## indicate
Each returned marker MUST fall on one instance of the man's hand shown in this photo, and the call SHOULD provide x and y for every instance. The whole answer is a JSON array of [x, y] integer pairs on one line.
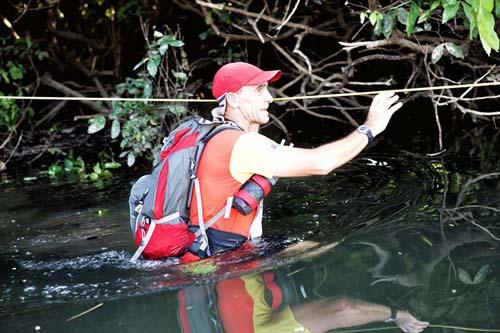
[[410, 324], [381, 111]]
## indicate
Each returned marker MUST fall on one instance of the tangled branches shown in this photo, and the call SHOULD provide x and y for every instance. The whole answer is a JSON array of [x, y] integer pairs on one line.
[[325, 49]]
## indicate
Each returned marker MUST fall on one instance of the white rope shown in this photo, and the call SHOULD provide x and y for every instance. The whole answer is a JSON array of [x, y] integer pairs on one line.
[[281, 99]]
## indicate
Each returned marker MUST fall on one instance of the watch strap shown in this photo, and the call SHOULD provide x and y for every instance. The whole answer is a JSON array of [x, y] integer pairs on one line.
[[394, 314], [366, 131]]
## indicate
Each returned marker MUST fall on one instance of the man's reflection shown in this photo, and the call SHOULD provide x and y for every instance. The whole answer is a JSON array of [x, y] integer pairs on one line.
[[273, 302]]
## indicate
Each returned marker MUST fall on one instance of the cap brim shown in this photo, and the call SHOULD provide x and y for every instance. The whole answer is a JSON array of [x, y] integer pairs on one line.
[[263, 77]]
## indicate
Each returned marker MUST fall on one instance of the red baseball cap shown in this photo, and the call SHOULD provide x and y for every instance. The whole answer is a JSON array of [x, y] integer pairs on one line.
[[231, 77]]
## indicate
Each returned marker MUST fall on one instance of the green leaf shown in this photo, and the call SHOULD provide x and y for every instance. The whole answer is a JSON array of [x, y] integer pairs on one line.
[[481, 274], [5, 76], [115, 129], [487, 5], [112, 165], [450, 11], [412, 18], [94, 176], [362, 18], [389, 23], [378, 27], [470, 17], [402, 15], [454, 50], [486, 26], [130, 159], [152, 67], [464, 276], [435, 4], [97, 168], [497, 8], [16, 72], [373, 18], [140, 63], [180, 75], [96, 124], [176, 109], [68, 165], [163, 48], [55, 170], [157, 34], [437, 53]]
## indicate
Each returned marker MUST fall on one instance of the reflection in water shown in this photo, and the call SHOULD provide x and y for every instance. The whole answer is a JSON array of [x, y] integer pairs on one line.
[[416, 236], [274, 301]]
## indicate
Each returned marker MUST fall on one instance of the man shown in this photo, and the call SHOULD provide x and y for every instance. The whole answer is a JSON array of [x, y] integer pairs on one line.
[[232, 157], [270, 302]]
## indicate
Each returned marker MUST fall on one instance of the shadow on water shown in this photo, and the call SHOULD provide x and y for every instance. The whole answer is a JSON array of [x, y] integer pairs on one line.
[[415, 234]]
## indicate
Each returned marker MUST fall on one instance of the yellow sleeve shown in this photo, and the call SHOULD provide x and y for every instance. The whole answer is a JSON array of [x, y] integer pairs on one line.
[[254, 153]]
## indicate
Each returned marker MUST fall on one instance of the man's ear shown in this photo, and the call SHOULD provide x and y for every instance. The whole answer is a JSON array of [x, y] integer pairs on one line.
[[232, 100]]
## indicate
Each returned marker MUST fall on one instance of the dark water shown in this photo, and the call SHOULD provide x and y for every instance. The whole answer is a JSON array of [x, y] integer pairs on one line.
[[414, 234]]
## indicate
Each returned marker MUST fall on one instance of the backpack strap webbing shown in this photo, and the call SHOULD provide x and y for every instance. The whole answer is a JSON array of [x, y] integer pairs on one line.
[[149, 234]]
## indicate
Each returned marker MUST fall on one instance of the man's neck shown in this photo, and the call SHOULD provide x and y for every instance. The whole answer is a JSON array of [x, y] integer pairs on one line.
[[246, 125]]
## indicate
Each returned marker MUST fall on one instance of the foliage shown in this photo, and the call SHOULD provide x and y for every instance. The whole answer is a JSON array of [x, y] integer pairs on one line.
[[75, 166], [478, 17], [15, 59], [139, 123]]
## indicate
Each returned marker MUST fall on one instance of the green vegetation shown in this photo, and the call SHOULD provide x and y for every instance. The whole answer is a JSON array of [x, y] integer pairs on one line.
[[75, 166], [478, 17], [140, 124]]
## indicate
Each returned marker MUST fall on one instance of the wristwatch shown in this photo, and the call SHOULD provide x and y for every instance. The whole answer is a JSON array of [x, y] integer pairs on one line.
[[366, 131], [392, 318]]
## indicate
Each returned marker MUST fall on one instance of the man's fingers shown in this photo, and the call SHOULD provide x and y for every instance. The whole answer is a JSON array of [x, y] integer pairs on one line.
[[395, 107], [391, 100]]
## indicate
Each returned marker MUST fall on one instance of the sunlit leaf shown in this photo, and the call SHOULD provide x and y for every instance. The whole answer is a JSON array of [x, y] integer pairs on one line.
[[435, 4], [450, 11], [140, 63], [163, 48], [180, 75], [464, 276], [115, 129], [96, 124], [454, 50], [481, 274], [157, 34], [112, 165], [402, 15], [487, 33], [437, 53], [373, 18], [97, 168], [130, 159], [362, 18], [487, 5], [152, 68]]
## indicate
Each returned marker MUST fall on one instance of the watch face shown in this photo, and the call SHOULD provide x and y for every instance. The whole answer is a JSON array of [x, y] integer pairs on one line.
[[363, 129]]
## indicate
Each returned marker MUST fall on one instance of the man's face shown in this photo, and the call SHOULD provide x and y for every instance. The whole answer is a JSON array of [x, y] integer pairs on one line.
[[253, 102]]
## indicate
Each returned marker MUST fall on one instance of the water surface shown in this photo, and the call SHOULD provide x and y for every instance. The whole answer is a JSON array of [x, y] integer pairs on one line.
[[416, 234]]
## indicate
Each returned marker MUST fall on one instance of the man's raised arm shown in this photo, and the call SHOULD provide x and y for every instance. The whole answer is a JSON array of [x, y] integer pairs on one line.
[[298, 162]]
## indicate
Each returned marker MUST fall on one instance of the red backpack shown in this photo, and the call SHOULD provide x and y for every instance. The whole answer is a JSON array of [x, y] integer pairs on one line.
[[159, 202]]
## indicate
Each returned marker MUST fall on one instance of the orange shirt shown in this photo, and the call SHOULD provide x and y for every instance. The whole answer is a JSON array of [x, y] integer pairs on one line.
[[229, 159]]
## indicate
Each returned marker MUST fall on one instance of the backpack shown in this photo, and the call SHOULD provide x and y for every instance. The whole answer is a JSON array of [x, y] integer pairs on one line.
[[159, 202]]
